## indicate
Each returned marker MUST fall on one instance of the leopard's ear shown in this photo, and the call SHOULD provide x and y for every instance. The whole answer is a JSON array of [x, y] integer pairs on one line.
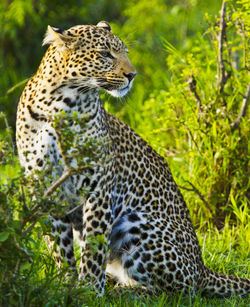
[[105, 25], [56, 36]]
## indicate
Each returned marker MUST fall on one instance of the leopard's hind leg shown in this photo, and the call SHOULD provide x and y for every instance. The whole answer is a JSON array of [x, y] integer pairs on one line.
[[148, 251]]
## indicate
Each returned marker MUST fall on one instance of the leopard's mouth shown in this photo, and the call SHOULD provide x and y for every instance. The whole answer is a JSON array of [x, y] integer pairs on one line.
[[122, 91], [116, 90]]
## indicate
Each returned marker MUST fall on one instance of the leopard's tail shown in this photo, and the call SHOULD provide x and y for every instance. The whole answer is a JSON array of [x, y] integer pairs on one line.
[[224, 285]]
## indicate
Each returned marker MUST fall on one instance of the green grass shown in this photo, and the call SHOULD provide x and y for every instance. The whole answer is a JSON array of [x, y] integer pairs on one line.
[[41, 284], [42, 287]]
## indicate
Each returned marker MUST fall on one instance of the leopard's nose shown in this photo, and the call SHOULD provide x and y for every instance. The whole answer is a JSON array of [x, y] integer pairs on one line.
[[130, 76]]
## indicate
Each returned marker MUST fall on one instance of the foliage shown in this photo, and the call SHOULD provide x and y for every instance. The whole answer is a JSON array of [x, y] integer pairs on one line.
[[77, 148], [23, 24], [186, 102], [193, 122], [27, 202]]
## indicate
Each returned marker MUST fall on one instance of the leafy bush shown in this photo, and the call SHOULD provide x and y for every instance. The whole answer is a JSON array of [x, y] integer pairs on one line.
[[199, 123], [27, 202]]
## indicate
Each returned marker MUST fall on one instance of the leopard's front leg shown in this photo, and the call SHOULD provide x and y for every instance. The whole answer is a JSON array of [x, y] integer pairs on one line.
[[60, 242], [97, 220]]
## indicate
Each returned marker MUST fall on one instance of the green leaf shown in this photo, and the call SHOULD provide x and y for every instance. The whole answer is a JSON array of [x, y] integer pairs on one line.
[[19, 84], [25, 266], [4, 236]]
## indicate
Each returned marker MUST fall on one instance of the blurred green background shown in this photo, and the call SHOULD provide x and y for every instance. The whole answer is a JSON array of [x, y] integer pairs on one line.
[[143, 25]]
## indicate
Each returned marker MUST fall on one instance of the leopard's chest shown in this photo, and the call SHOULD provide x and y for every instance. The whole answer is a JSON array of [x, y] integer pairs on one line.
[[37, 147]]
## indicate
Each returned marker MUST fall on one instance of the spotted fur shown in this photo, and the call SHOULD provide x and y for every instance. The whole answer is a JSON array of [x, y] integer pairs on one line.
[[133, 200]]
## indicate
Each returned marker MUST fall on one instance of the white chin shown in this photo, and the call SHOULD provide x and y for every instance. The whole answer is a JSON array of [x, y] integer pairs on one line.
[[120, 92]]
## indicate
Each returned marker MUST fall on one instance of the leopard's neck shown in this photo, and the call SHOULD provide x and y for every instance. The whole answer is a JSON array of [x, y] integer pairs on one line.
[[47, 94]]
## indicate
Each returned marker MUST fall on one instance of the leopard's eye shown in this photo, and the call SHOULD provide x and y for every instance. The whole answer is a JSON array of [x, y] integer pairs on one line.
[[106, 54]]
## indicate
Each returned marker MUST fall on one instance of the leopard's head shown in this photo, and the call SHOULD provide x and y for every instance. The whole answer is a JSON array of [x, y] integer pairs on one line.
[[93, 57]]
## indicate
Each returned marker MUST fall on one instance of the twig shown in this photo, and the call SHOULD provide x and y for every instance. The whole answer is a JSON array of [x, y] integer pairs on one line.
[[194, 189], [2, 175], [192, 86], [56, 184], [221, 37], [74, 209], [23, 197], [232, 187], [17, 267], [235, 61], [68, 172], [192, 137], [9, 133], [243, 110], [22, 250], [28, 229]]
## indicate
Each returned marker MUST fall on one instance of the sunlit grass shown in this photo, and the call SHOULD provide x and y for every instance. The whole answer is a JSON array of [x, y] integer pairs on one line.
[[41, 284]]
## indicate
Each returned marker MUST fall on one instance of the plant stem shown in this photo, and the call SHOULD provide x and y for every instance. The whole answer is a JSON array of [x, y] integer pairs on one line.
[[243, 110], [221, 38]]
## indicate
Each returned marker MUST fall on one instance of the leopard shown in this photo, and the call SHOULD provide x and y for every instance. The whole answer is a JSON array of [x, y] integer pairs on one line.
[[133, 203]]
